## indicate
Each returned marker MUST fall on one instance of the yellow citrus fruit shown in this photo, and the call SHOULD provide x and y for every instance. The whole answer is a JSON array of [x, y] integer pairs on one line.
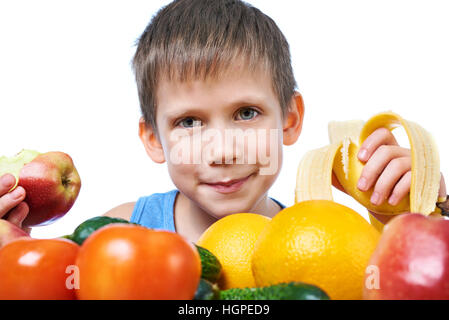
[[231, 239], [317, 242]]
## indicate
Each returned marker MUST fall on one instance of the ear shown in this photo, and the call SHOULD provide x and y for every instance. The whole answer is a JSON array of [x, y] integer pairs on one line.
[[151, 142], [293, 120]]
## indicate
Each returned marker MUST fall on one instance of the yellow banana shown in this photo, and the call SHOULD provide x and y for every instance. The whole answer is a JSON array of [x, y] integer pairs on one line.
[[314, 179]]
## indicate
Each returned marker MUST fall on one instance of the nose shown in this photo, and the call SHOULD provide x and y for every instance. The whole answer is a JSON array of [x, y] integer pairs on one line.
[[223, 148]]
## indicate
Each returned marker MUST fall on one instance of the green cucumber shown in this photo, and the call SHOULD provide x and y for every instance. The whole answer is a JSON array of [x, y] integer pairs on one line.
[[282, 291], [210, 266], [207, 291], [86, 228]]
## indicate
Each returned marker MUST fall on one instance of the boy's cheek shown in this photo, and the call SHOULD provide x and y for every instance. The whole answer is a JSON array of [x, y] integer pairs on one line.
[[269, 152], [184, 177], [181, 152]]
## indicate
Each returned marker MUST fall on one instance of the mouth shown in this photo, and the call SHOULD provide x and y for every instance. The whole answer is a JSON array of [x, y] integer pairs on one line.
[[230, 186]]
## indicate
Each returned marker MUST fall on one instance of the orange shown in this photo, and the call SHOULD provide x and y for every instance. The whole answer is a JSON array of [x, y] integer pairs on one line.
[[231, 239], [318, 242]]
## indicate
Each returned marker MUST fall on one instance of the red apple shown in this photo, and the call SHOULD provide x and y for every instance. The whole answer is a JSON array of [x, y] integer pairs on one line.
[[50, 180], [9, 232], [411, 260]]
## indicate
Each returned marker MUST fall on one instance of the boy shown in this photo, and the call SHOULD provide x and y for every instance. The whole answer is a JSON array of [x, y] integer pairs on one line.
[[218, 100]]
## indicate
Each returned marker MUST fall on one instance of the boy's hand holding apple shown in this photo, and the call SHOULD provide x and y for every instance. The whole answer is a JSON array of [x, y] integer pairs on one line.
[[45, 189], [12, 206], [13, 210]]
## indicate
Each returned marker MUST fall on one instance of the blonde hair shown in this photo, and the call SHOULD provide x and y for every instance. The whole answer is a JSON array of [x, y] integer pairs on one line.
[[193, 39]]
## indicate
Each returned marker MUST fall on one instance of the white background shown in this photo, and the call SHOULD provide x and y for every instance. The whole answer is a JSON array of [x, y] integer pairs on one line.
[[66, 84]]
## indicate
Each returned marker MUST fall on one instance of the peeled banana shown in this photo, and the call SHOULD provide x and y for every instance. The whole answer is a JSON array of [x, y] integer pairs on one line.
[[314, 179]]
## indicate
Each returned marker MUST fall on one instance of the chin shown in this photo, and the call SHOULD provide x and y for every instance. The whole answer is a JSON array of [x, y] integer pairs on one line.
[[221, 215], [227, 209]]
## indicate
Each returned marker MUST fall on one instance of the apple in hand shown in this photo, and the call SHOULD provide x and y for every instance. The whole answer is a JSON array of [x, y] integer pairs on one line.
[[50, 180], [411, 260], [9, 232]]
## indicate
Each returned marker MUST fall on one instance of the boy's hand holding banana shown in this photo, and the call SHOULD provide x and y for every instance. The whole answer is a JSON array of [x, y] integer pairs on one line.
[[365, 161]]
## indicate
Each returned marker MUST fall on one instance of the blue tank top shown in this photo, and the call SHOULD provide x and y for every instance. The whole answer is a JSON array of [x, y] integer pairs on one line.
[[156, 211]]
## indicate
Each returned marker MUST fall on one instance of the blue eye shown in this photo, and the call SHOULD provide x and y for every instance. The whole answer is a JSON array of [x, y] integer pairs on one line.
[[247, 114], [190, 123]]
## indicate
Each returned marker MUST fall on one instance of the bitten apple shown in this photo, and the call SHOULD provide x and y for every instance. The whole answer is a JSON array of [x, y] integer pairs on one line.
[[50, 180], [411, 260], [9, 232]]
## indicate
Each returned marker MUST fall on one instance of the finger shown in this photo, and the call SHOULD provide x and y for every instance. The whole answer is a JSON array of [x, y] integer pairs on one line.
[[7, 181], [18, 214], [392, 173], [10, 200], [376, 164], [401, 189], [381, 136]]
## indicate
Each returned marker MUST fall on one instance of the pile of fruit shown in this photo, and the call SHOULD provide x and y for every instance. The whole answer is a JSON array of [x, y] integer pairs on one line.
[[316, 249], [104, 258], [109, 258], [312, 250], [334, 251]]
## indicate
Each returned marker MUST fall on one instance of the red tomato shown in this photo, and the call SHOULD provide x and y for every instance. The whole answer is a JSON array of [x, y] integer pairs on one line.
[[38, 269], [122, 261]]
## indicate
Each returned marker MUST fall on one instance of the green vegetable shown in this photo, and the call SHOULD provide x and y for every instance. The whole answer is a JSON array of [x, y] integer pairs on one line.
[[86, 228], [282, 291], [210, 266], [207, 291]]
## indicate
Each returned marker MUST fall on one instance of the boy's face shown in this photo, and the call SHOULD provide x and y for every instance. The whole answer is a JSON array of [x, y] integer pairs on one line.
[[222, 139]]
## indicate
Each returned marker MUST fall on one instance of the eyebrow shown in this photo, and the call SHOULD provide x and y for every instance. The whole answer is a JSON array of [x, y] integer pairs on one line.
[[186, 112]]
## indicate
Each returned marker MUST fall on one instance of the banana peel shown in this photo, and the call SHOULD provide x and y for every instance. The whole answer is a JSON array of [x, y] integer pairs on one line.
[[314, 178]]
